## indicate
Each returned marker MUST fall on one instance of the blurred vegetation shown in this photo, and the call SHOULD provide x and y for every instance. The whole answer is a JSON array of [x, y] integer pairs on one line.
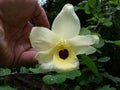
[[99, 71]]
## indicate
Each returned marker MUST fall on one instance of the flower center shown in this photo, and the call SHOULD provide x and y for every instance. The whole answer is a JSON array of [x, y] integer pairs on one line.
[[63, 54]]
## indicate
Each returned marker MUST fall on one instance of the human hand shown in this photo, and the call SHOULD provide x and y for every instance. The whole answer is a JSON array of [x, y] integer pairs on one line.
[[15, 48]]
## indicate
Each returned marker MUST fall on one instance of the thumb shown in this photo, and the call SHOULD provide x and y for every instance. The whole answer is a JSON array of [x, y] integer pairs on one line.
[[28, 58]]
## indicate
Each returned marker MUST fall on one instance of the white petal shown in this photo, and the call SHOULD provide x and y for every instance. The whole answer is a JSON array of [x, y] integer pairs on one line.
[[66, 24], [42, 38], [45, 67], [83, 50], [45, 57], [83, 40]]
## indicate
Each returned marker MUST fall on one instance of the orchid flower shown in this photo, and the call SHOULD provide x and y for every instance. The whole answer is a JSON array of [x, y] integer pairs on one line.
[[58, 48]]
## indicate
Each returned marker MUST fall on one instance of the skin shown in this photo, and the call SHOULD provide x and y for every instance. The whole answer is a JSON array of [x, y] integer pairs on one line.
[[15, 47]]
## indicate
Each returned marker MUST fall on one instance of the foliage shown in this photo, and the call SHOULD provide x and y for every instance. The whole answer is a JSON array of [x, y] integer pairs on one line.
[[5, 71], [99, 17], [107, 87], [7, 88]]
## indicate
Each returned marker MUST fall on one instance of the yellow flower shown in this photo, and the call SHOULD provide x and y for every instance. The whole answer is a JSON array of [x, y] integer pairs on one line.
[[57, 49]]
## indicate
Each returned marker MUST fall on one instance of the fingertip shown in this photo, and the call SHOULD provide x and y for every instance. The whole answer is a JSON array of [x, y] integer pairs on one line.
[[28, 58], [40, 17]]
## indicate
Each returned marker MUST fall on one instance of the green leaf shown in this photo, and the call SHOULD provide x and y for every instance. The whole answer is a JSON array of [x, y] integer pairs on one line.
[[77, 88], [107, 87], [87, 9], [60, 78], [98, 79], [106, 22], [34, 70], [76, 8], [24, 70], [52, 79], [73, 74], [98, 51], [49, 79], [83, 80], [110, 77], [100, 44], [7, 88], [103, 59], [85, 31], [117, 42], [82, 5], [2, 79], [91, 65], [4, 71], [92, 3]]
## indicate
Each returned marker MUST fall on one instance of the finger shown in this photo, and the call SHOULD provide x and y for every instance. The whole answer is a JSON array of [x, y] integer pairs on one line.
[[27, 58], [40, 18], [24, 54], [27, 30]]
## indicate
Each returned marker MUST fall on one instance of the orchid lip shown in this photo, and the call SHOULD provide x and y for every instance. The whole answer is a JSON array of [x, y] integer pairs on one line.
[[63, 54]]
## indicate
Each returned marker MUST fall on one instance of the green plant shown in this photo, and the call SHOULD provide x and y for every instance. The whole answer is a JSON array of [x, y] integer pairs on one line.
[[97, 17]]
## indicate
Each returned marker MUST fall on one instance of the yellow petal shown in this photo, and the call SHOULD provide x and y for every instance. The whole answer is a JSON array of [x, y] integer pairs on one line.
[[65, 63], [66, 24]]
